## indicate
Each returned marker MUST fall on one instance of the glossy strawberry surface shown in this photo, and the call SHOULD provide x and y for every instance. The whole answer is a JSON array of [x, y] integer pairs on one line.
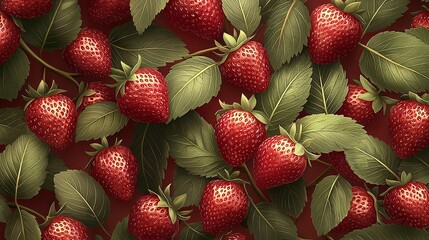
[[9, 37], [62, 227], [421, 20], [102, 93], [109, 12], [26, 8]]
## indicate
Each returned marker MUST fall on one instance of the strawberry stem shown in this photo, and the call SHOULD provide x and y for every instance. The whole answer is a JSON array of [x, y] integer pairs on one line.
[[201, 52], [252, 181], [323, 162], [18, 206], [317, 180]]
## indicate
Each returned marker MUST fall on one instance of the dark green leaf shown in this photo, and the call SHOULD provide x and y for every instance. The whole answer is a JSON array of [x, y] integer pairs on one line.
[[13, 74], [98, 237], [390, 231], [4, 210], [421, 33], [244, 15], [55, 165], [12, 124], [192, 185], [121, 231], [21, 225], [144, 12], [291, 198], [418, 166], [266, 6], [194, 231]]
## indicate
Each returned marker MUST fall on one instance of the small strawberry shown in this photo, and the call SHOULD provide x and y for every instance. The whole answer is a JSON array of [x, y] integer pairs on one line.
[[109, 12], [9, 37], [239, 131], [421, 19], [142, 94], [62, 227], [50, 115], [334, 32], [25, 8], [234, 236], [339, 163], [409, 125], [89, 54], [203, 18], [115, 168], [94, 93]]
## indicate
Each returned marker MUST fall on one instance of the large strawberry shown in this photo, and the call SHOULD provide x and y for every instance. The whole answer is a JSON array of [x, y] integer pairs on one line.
[[25, 8], [239, 131], [421, 19], [62, 227], [50, 115], [234, 236], [94, 93], [334, 32], [409, 125], [203, 18], [142, 94], [339, 163], [9, 37], [89, 54], [115, 168], [109, 12]]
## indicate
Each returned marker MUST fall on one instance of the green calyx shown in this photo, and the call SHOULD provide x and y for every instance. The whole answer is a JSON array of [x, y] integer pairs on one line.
[[102, 145], [424, 99], [173, 205], [247, 105], [231, 177], [232, 42], [404, 179], [43, 90], [294, 134], [373, 95], [122, 76], [52, 214], [349, 6], [83, 92]]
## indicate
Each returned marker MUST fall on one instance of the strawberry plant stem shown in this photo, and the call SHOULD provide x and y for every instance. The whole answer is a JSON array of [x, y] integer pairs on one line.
[[322, 162], [15, 205], [316, 181], [201, 52], [252, 181]]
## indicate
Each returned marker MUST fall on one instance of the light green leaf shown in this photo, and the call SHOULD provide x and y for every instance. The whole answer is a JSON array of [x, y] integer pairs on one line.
[[23, 167], [388, 231], [21, 225], [83, 197], [4, 210], [418, 166], [421, 33], [396, 61], [330, 204], [290, 198], [121, 231], [12, 124], [99, 120], [55, 30], [13, 74], [191, 84], [55, 165], [288, 28], [192, 185], [244, 15], [328, 90], [157, 46], [194, 231], [144, 12]]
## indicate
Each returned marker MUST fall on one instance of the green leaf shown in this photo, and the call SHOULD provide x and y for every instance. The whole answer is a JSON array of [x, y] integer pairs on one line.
[[193, 146], [12, 124], [99, 120], [23, 167], [4, 210], [287, 93], [55, 165], [13, 74], [266, 221], [194, 231], [55, 30], [328, 132], [379, 14], [83, 197], [144, 12], [151, 149], [244, 15], [421, 33], [418, 166], [191, 84], [396, 61], [192, 185], [157, 46], [21, 225], [329, 89], [121, 231], [266, 6], [98, 237], [388, 231], [290, 198], [331, 202], [288, 28], [373, 160]]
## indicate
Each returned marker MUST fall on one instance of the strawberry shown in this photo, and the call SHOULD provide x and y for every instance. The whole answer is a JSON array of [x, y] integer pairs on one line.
[[362, 212], [9, 37], [234, 236], [339, 163], [334, 32], [142, 94], [239, 131], [62, 227], [421, 20], [202, 18], [109, 12], [115, 168], [94, 93], [25, 8], [89, 54], [409, 126], [51, 116]]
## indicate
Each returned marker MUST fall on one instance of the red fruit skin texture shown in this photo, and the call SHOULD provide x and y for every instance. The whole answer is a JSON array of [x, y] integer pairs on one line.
[[238, 135], [234, 236], [109, 12], [421, 20], [339, 163], [62, 227], [26, 8], [333, 34], [248, 67], [409, 128], [53, 119], [408, 205], [204, 18], [102, 93], [356, 108], [223, 206], [89, 54], [276, 164], [115, 168], [9, 37], [145, 99], [147, 221], [362, 212]]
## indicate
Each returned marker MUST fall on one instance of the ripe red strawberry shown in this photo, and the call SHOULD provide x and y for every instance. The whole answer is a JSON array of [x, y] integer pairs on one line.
[[96, 92], [234, 236], [9, 37], [115, 168], [334, 33], [421, 20], [203, 18], [89, 54], [109, 12], [51, 116], [339, 163], [25, 8], [224, 204], [62, 227], [362, 212]]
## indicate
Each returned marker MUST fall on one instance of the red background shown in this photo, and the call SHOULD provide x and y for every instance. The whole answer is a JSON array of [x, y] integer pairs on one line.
[[76, 158]]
